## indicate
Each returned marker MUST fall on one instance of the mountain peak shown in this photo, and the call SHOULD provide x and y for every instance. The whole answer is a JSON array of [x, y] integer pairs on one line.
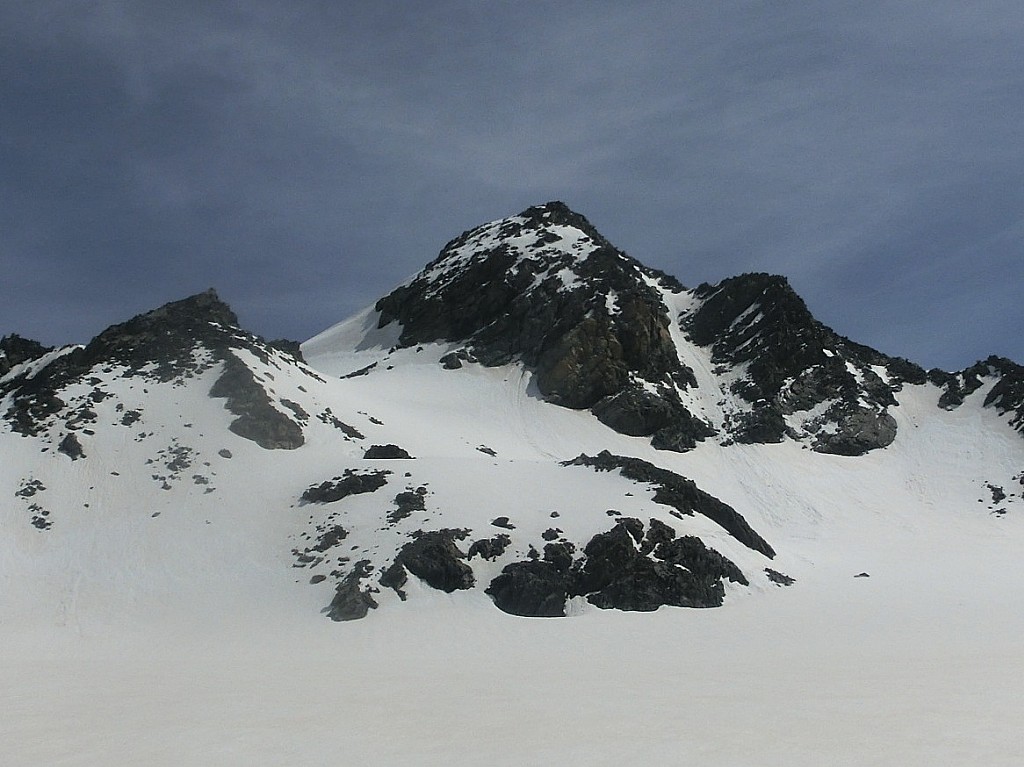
[[547, 289]]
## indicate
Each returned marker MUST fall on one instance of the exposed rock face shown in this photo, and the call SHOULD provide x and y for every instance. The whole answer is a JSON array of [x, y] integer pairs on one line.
[[258, 420], [14, 350], [796, 365], [1006, 395], [546, 288]]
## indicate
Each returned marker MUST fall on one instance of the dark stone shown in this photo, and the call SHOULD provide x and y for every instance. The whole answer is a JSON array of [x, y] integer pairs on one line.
[[1007, 396], [350, 601], [530, 589], [636, 412], [778, 578], [859, 432], [361, 372], [608, 556], [291, 348], [702, 562], [560, 554], [451, 361], [385, 452], [454, 360], [71, 447], [332, 537], [329, 418], [657, 533], [351, 483], [489, 548], [434, 558], [682, 434], [405, 504], [503, 522]]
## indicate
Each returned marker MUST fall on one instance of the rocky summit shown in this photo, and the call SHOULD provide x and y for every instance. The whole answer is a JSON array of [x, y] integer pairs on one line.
[[535, 421]]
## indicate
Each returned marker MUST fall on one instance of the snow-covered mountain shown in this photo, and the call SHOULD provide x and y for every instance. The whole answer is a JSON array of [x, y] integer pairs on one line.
[[534, 425], [535, 420]]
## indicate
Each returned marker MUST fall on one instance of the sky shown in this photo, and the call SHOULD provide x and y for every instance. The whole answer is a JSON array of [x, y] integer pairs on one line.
[[304, 158]]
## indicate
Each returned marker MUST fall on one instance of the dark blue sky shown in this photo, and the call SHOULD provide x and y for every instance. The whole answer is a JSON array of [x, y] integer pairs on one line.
[[304, 157]]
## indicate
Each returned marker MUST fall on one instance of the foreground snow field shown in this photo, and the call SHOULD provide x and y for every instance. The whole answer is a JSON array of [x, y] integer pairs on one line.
[[921, 663], [906, 668]]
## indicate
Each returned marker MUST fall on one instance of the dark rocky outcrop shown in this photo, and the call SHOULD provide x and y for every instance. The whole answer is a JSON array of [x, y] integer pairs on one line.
[[15, 350], [580, 313], [330, 538], [258, 420], [352, 482], [406, 503], [680, 493], [489, 548], [779, 579], [159, 344], [434, 558], [386, 452], [350, 601], [530, 589], [1006, 395], [795, 363], [625, 568], [71, 447]]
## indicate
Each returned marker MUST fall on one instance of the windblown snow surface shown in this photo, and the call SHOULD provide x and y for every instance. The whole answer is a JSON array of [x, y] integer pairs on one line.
[[171, 627]]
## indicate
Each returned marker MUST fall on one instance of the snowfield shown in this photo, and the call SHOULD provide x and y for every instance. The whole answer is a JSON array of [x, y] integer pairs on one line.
[[190, 638], [186, 506]]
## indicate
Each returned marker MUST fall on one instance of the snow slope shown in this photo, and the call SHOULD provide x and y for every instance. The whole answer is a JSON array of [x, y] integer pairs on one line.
[[161, 611]]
